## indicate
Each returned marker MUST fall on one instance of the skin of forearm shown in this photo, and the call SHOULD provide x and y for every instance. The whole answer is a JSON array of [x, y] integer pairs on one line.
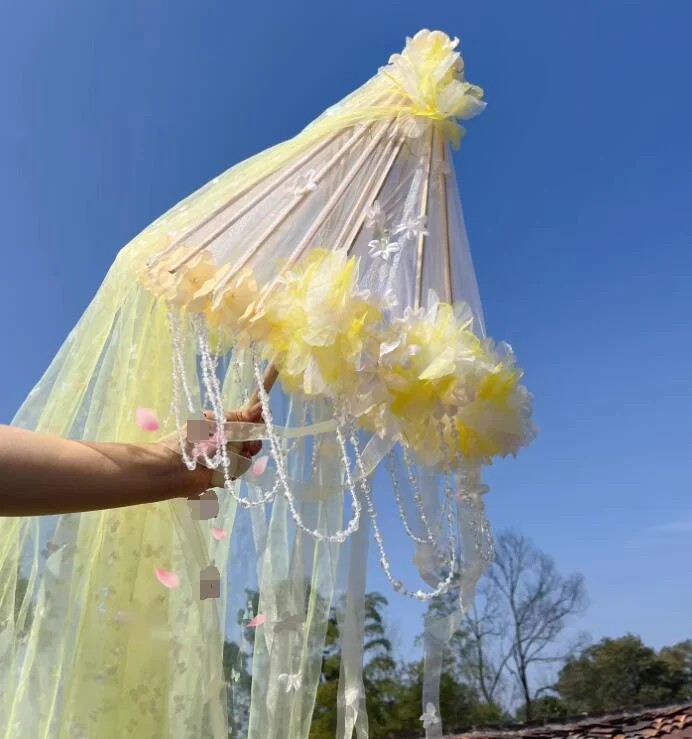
[[42, 474]]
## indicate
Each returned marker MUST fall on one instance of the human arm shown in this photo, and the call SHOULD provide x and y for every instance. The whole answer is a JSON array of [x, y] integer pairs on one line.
[[43, 474]]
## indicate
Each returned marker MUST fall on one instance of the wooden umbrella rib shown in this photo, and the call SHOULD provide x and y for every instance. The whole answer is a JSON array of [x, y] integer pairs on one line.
[[370, 194], [425, 197], [325, 212], [444, 221], [398, 193], [222, 228], [300, 162], [271, 373], [285, 175], [270, 376], [284, 214], [360, 203]]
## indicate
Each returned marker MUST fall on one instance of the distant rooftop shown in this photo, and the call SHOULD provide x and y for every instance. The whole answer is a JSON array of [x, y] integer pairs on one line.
[[670, 722]]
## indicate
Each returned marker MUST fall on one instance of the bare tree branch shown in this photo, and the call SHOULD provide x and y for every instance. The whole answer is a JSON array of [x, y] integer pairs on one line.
[[538, 602]]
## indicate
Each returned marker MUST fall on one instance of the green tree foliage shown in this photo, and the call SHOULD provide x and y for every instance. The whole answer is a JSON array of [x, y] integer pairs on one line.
[[380, 679], [679, 658], [510, 636], [545, 708], [460, 708], [616, 673]]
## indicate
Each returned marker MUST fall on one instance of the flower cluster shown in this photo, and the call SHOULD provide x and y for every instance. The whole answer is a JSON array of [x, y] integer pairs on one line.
[[194, 287], [430, 75], [318, 324], [424, 376], [442, 382]]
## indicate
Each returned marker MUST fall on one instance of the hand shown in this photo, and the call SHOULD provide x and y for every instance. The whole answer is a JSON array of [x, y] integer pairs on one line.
[[201, 478], [253, 414]]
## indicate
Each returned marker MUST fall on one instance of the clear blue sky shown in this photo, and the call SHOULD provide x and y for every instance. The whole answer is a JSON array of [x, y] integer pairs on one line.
[[577, 188]]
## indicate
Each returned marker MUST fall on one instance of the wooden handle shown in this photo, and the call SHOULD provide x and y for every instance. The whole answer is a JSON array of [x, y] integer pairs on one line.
[[270, 376]]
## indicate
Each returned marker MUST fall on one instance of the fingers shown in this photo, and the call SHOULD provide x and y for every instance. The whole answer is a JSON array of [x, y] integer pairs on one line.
[[252, 414]]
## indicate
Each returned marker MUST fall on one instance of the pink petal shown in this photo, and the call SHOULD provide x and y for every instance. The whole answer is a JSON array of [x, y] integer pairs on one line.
[[259, 465], [218, 534], [258, 620], [169, 579], [146, 419]]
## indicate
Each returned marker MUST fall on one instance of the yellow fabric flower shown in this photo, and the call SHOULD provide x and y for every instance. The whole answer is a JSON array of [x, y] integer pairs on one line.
[[426, 364], [226, 313], [449, 392], [425, 377], [497, 420], [430, 74], [318, 324], [189, 278]]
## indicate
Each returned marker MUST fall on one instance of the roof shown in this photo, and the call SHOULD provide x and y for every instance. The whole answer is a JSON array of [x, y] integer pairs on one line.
[[670, 722]]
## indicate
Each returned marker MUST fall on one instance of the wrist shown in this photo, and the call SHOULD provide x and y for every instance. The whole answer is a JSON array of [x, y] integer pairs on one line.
[[185, 482]]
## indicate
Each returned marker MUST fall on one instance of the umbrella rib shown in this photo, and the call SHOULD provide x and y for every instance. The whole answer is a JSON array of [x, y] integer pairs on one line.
[[444, 220], [324, 213], [267, 190], [276, 223], [270, 376], [360, 203], [397, 194], [370, 195], [300, 162], [272, 373], [271, 186], [425, 197]]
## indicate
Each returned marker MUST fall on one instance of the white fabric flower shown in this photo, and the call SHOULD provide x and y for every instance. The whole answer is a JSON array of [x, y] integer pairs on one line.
[[443, 168], [383, 248], [305, 183], [430, 717], [412, 228]]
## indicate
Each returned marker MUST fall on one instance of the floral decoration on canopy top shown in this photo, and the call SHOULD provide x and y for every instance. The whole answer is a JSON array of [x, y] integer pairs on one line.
[[430, 74]]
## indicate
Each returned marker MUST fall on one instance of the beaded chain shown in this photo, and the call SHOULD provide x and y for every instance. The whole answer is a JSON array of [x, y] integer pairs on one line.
[[358, 486], [385, 564], [338, 537], [400, 504]]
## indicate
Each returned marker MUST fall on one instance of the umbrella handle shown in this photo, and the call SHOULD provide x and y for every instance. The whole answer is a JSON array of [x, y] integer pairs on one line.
[[270, 376]]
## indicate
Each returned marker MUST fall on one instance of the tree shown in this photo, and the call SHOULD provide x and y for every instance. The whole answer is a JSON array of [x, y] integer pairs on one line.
[[545, 708], [616, 673], [537, 602], [238, 687], [481, 647], [488, 714], [459, 707], [236, 669], [379, 671], [474, 654], [679, 658]]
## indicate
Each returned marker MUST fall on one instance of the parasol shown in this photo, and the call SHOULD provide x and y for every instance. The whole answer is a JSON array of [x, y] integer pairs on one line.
[[330, 278]]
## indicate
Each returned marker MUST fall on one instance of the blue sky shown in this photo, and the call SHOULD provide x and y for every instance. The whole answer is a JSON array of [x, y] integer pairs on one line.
[[577, 188]]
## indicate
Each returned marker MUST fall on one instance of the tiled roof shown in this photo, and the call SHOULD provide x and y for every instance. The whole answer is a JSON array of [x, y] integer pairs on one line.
[[670, 722]]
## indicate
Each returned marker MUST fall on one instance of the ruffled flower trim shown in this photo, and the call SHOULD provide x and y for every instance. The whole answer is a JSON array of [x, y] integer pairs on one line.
[[422, 377]]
